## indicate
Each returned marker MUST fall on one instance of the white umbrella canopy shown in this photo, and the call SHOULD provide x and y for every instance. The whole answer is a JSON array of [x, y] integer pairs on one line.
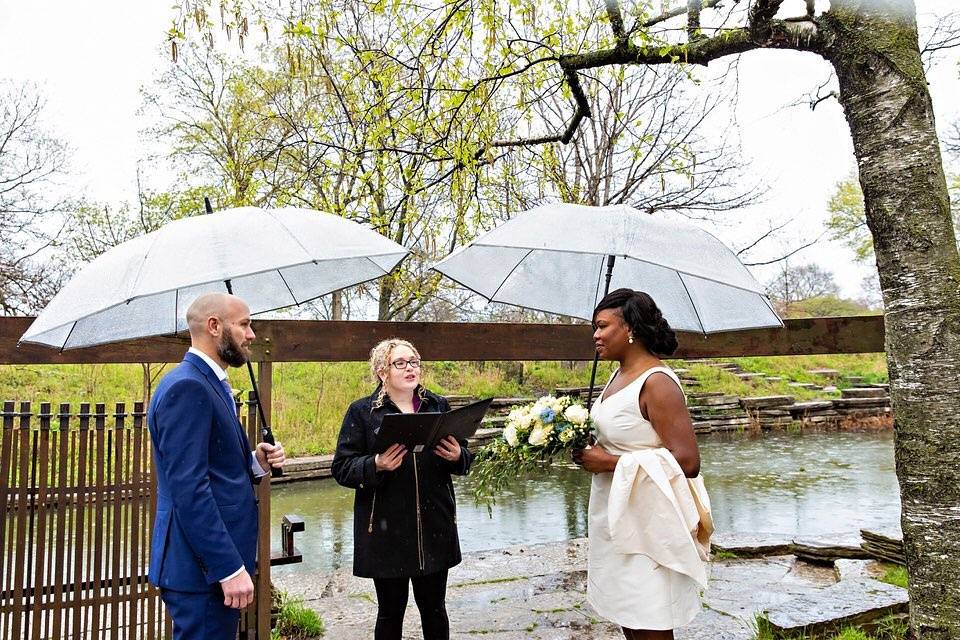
[[273, 259], [552, 258]]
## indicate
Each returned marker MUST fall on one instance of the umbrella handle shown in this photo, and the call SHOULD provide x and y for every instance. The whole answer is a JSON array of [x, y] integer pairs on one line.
[[266, 433]]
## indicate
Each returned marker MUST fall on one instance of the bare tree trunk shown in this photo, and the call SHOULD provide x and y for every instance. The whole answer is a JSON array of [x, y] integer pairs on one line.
[[887, 104], [386, 298], [147, 381], [336, 305]]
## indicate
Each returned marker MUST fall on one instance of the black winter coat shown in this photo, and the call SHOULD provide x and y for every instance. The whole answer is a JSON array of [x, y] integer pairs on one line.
[[405, 520]]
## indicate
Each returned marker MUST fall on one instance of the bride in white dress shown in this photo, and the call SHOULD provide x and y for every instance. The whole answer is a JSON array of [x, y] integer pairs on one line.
[[649, 520]]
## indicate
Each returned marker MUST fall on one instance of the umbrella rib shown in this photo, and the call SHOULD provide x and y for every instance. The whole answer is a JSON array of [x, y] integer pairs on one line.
[[693, 304], [67, 339], [289, 233], [146, 254], [507, 277], [292, 294]]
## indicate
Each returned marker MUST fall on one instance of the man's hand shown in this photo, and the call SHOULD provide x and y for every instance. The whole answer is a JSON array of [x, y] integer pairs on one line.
[[270, 455], [391, 458], [238, 591], [448, 449]]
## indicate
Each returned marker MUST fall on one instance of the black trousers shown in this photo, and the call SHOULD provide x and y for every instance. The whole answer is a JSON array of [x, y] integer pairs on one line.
[[429, 592]]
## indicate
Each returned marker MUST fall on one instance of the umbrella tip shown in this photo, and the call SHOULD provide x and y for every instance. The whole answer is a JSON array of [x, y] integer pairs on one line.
[[206, 205]]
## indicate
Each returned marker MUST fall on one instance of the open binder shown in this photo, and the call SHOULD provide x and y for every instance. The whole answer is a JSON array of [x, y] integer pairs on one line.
[[418, 431]]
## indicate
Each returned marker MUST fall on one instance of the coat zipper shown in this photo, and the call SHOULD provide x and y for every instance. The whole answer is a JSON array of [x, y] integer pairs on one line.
[[453, 499], [373, 505], [416, 481]]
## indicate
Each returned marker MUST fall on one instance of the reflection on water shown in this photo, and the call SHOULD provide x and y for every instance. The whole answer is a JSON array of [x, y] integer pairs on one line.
[[795, 483]]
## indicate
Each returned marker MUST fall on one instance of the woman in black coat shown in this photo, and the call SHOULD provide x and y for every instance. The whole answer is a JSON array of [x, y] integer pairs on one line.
[[404, 510]]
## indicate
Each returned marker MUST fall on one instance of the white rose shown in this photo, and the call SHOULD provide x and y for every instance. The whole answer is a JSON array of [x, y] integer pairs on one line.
[[510, 435], [540, 435], [529, 420], [576, 414]]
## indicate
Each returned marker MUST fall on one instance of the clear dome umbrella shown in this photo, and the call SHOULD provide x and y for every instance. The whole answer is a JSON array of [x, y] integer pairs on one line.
[[563, 258], [272, 258]]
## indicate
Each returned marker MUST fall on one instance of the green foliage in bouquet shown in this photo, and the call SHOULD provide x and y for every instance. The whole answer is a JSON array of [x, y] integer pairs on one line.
[[534, 437]]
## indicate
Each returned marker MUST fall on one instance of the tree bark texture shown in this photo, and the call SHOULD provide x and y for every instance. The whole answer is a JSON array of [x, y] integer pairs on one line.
[[873, 47]]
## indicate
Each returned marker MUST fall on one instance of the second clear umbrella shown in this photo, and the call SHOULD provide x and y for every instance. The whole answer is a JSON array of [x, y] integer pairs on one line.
[[563, 258]]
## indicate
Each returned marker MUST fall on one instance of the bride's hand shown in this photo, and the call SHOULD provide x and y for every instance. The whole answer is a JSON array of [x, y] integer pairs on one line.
[[595, 460]]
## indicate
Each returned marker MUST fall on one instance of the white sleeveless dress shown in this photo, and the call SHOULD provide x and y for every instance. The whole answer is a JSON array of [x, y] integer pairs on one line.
[[631, 590]]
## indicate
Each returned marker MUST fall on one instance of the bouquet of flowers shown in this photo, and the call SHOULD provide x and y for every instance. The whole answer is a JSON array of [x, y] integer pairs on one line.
[[534, 436]]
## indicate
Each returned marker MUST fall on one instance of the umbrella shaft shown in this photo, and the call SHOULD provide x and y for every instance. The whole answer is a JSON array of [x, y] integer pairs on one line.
[[611, 260]]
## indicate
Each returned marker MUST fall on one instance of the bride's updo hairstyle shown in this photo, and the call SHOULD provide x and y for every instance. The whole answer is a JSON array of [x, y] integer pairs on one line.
[[644, 319]]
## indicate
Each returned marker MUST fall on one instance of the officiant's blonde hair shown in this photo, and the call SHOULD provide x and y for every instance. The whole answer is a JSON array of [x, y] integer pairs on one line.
[[381, 352], [380, 361]]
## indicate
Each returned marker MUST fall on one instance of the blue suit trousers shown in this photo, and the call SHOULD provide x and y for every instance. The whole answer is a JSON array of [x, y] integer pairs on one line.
[[201, 616]]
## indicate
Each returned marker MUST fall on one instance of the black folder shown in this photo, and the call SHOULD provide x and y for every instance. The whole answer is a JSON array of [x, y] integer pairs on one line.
[[418, 431]]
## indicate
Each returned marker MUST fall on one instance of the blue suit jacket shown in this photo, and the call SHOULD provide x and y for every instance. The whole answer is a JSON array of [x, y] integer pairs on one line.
[[206, 520]]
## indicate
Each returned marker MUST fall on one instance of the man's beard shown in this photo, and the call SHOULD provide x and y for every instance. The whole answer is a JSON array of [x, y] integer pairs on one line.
[[230, 352]]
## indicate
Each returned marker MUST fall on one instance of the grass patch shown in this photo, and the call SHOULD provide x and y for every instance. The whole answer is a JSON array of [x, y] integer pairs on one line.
[[894, 574], [296, 622], [851, 633], [723, 554]]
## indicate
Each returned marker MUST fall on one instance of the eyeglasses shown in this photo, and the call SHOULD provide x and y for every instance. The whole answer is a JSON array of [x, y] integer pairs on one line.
[[402, 364]]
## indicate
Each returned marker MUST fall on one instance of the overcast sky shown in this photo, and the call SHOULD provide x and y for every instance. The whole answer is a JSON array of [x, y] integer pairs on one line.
[[91, 58]]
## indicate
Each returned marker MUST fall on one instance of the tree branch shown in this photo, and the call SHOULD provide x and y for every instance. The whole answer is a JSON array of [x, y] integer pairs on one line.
[[679, 11]]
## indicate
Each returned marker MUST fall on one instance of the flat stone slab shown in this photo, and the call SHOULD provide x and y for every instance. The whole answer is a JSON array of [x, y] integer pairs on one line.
[[882, 401], [848, 602], [751, 545], [828, 548], [762, 402], [810, 406], [864, 392], [712, 400]]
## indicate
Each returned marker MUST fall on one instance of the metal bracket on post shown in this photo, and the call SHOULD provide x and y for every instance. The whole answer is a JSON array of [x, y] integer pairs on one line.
[[288, 554]]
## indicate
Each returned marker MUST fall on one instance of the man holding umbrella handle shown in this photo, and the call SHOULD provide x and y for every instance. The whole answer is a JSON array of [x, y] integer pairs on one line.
[[203, 549]]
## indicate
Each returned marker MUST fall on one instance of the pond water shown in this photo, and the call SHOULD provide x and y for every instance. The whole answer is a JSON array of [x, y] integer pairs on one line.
[[804, 483]]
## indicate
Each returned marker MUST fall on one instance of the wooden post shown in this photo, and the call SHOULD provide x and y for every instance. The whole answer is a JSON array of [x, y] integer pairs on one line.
[[264, 585]]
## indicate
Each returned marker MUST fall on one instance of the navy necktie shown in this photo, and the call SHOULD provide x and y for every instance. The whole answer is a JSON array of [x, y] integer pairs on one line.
[[229, 392]]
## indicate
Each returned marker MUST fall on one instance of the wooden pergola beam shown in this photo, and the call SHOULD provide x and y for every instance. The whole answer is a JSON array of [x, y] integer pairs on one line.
[[329, 341]]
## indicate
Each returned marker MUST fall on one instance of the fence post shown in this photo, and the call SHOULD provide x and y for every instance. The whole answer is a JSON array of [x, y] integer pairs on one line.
[[7, 482], [264, 585]]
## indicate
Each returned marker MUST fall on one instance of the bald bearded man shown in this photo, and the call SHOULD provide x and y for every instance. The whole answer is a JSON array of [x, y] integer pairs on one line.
[[203, 549]]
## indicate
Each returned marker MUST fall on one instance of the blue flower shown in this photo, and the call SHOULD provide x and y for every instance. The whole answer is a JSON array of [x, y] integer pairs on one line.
[[547, 416]]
